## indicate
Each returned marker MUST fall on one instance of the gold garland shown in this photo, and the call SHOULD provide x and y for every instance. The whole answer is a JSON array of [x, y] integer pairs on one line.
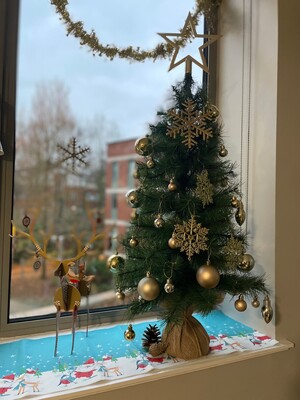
[[161, 51]]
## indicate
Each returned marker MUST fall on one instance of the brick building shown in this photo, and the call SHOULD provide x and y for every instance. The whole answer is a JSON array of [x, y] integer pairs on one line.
[[121, 163]]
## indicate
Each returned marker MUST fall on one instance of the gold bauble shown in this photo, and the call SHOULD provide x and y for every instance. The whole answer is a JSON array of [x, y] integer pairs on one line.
[[173, 244], [172, 187], [208, 276], [213, 111], [135, 174], [240, 304], [235, 202], [129, 334], [120, 295], [150, 163], [142, 146], [132, 198], [114, 262], [133, 242], [169, 287], [247, 263], [255, 302], [267, 310], [133, 214], [220, 297], [223, 151], [148, 288], [159, 222], [240, 216]]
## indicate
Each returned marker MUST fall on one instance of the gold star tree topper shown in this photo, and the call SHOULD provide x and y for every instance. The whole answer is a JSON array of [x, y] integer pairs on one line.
[[189, 32]]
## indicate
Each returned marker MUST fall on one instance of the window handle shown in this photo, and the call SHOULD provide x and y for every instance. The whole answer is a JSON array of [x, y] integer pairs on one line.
[[1, 150]]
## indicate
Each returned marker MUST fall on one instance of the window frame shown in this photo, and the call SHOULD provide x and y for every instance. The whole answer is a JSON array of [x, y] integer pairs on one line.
[[9, 20], [8, 63]]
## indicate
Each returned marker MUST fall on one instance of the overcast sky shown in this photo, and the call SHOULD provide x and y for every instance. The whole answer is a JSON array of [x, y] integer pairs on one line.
[[127, 93]]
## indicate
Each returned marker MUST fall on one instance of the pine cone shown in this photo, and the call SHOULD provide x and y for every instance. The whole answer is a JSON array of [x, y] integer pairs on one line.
[[151, 335]]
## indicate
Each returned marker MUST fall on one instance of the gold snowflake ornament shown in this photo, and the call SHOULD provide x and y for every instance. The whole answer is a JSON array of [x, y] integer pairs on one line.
[[233, 251], [204, 189], [190, 123], [190, 237]]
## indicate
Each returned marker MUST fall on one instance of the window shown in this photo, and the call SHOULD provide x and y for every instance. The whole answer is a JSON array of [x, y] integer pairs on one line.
[[115, 174], [114, 206], [64, 100], [130, 177]]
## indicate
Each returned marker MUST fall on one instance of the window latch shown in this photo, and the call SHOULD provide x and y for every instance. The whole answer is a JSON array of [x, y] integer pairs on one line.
[[1, 150]]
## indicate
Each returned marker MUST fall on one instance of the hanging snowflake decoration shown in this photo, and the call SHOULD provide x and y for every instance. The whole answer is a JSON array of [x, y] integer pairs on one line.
[[191, 123], [204, 189], [74, 153], [190, 237], [234, 251]]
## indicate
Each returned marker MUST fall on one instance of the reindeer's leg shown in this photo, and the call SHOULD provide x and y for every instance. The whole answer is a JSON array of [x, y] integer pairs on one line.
[[74, 319], [57, 329]]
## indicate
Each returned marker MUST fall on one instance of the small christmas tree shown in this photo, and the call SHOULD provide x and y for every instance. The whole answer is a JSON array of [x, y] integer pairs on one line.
[[185, 248]]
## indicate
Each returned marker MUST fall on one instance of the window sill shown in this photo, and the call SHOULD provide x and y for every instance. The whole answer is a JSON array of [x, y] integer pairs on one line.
[[105, 362], [203, 363]]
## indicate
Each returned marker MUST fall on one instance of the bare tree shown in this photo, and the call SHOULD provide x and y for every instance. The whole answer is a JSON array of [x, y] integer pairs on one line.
[[50, 119], [43, 184], [36, 176]]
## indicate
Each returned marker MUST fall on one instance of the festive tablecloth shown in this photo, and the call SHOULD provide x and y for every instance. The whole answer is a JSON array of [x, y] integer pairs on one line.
[[28, 366]]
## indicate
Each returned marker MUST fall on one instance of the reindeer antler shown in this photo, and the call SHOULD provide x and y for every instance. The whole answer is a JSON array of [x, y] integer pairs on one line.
[[39, 250], [43, 252], [82, 252]]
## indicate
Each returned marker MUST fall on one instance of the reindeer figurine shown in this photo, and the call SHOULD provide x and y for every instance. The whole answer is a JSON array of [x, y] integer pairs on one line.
[[74, 283]]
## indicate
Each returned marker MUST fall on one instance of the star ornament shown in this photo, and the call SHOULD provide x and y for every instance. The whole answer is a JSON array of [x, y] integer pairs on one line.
[[189, 32]]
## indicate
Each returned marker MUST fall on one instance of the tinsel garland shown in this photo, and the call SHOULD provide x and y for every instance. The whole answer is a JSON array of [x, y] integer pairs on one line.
[[161, 51]]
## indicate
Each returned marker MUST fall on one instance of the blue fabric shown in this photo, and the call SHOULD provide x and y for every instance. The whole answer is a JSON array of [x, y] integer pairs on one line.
[[38, 354]]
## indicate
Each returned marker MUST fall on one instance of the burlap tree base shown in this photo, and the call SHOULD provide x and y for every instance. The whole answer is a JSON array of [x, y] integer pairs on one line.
[[187, 341]]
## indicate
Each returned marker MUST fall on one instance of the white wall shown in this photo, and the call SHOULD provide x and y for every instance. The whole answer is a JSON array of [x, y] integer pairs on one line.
[[247, 90]]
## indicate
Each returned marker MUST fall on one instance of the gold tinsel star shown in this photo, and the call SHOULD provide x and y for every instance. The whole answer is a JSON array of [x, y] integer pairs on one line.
[[233, 251], [191, 237], [190, 123], [204, 189], [189, 32]]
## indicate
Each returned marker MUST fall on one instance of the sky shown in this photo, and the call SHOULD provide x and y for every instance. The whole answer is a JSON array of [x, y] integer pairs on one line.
[[126, 94]]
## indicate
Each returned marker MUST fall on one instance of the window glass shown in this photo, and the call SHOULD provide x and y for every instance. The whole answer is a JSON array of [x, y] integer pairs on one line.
[[115, 174], [114, 207], [70, 105], [130, 175]]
